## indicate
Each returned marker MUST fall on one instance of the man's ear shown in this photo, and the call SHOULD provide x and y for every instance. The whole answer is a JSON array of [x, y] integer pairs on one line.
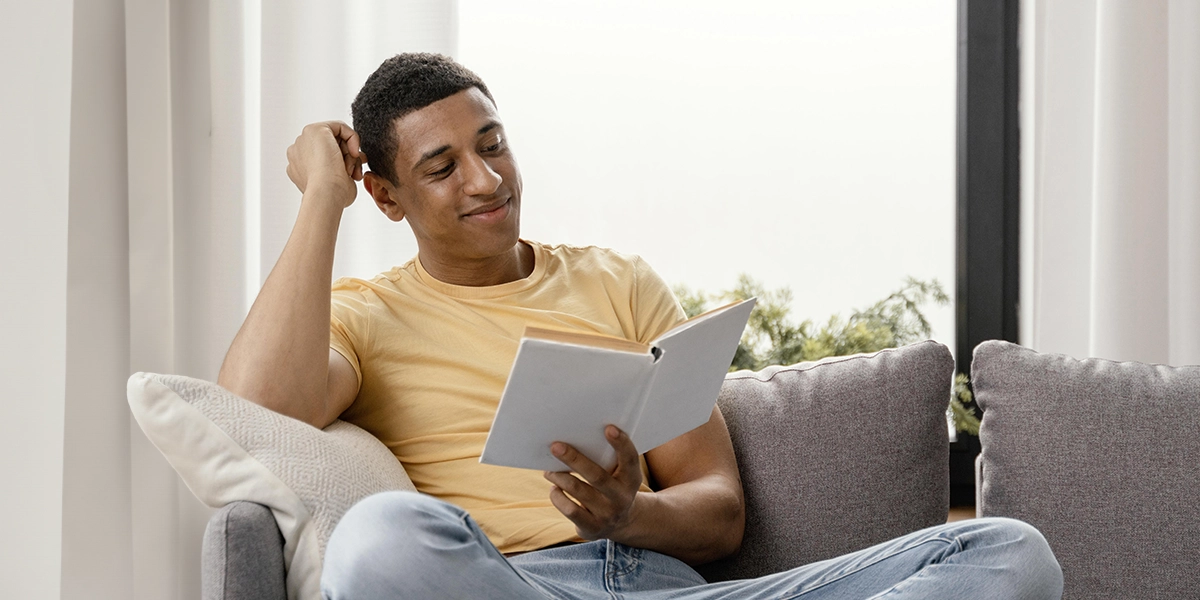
[[384, 194]]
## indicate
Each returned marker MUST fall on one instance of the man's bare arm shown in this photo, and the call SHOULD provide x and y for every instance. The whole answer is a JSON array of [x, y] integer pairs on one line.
[[699, 514], [280, 357]]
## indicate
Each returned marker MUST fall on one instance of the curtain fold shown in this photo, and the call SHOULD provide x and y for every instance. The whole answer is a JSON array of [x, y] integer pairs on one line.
[[216, 92], [1129, 189], [1116, 148], [1183, 144]]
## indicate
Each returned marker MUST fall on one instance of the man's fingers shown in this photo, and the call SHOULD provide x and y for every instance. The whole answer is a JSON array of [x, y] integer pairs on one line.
[[351, 163], [362, 162], [580, 491], [627, 454], [347, 137], [576, 461], [584, 521], [351, 156]]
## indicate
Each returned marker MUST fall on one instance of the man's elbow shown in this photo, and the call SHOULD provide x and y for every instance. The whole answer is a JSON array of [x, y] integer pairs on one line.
[[729, 526], [735, 529], [289, 403]]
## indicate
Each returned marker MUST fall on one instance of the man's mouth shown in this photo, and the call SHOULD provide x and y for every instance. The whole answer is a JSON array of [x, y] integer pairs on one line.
[[491, 212]]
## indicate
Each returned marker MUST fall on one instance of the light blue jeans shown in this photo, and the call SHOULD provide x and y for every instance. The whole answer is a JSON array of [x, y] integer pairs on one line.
[[407, 545]]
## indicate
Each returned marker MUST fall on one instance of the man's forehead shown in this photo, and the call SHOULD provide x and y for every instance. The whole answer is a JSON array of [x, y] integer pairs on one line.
[[451, 121]]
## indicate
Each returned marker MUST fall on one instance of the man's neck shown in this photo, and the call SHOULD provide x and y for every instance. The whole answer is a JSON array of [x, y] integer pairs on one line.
[[511, 266]]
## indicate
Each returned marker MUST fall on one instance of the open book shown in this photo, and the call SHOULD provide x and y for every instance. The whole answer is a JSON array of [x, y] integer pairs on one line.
[[568, 386]]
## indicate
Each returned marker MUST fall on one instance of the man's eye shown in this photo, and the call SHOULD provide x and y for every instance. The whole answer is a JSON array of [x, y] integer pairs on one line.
[[494, 147], [442, 172]]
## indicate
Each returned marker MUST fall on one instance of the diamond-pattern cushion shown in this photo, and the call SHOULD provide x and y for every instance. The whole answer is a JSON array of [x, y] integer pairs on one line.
[[226, 449]]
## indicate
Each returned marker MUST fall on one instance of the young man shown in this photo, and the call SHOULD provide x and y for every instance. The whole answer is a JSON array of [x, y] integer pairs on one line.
[[419, 355]]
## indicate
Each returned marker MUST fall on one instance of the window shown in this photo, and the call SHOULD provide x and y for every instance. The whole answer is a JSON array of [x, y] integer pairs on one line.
[[807, 144]]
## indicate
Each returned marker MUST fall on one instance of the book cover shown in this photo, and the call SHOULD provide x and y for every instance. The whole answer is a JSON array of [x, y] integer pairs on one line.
[[567, 386]]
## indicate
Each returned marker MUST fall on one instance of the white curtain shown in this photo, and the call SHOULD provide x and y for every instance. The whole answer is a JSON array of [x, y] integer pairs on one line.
[[148, 202], [1111, 178], [227, 86]]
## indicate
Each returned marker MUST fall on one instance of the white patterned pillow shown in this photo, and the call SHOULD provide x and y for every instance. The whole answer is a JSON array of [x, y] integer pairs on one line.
[[227, 449]]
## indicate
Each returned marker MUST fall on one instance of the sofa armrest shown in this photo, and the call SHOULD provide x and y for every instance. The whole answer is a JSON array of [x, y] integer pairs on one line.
[[242, 556]]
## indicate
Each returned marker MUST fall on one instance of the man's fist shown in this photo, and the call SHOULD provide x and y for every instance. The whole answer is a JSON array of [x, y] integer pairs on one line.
[[327, 154]]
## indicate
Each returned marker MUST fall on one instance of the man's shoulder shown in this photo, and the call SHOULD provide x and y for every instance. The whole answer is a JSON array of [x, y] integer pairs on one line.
[[368, 290], [589, 256]]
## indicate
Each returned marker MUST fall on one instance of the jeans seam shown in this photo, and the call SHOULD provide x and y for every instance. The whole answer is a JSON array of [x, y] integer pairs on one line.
[[464, 520], [891, 590], [611, 552], [871, 564]]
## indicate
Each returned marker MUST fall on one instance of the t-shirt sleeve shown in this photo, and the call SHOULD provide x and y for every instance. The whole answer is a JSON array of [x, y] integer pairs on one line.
[[349, 322], [656, 310]]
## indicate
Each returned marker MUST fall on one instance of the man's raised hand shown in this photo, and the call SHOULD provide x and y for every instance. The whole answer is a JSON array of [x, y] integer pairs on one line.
[[604, 501], [327, 155]]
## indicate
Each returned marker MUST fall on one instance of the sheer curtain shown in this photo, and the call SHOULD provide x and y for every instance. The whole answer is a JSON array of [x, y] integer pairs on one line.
[[228, 86], [1111, 169], [149, 201]]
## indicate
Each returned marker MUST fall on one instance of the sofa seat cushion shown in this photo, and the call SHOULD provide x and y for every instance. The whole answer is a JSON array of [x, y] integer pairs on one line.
[[1103, 458], [837, 455], [226, 449]]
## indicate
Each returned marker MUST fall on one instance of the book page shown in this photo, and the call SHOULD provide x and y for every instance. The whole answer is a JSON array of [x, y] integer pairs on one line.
[[586, 339]]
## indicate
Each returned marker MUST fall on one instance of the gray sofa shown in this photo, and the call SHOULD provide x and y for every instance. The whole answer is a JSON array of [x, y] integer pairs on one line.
[[834, 456], [1103, 457]]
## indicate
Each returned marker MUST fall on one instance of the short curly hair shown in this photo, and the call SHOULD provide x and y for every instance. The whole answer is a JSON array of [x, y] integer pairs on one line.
[[402, 84]]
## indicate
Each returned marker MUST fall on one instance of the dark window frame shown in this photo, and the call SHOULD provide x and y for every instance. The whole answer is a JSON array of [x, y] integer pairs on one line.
[[988, 176]]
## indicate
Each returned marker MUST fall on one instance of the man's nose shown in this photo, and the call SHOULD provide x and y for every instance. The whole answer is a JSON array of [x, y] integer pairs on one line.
[[481, 179]]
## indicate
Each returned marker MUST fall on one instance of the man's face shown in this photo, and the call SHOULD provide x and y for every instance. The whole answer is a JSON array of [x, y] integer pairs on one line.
[[457, 181]]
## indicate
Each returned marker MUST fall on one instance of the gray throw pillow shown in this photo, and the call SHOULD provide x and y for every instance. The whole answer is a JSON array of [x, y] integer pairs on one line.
[[1104, 458], [837, 455]]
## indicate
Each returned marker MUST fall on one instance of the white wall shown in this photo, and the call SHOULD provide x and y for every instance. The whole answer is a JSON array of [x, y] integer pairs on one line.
[[36, 104]]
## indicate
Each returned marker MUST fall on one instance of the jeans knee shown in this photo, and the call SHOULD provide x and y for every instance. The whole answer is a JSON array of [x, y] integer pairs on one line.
[[1031, 559], [387, 529]]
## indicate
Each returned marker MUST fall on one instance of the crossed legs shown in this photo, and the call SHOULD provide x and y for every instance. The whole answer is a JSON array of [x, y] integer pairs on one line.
[[403, 544]]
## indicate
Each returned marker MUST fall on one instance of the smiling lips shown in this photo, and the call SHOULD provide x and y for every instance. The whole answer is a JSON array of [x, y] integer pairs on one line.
[[490, 213]]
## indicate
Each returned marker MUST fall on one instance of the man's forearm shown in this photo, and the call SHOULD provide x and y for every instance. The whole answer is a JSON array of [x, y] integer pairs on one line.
[[280, 356], [696, 522]]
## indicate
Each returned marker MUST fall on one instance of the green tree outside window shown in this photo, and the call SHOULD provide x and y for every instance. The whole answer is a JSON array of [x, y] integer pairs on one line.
[[772, 338]]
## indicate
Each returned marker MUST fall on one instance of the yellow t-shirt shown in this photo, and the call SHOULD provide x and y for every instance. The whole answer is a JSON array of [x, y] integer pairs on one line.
[[432, 359]]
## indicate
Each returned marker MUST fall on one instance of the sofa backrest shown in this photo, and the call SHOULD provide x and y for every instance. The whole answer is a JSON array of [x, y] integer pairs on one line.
[[1103, 458], [837, 455]]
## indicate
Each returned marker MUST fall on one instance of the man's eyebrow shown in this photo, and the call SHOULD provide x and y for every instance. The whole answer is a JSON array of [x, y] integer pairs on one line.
[[431, 154], [490, 125]]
